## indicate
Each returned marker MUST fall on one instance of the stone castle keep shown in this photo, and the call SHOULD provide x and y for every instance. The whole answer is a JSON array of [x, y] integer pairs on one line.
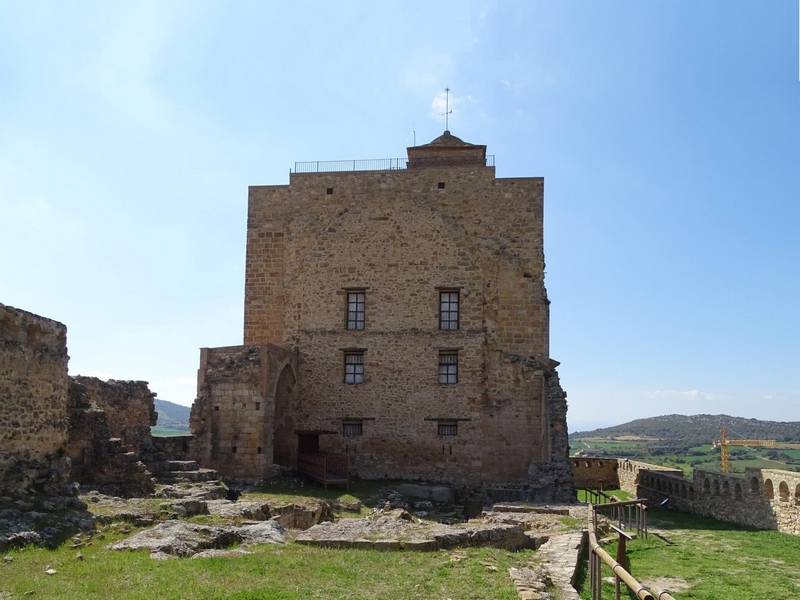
[[396, 316]]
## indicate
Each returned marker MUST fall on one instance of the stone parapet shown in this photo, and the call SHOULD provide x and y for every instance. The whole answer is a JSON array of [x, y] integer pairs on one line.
[[761, 498]]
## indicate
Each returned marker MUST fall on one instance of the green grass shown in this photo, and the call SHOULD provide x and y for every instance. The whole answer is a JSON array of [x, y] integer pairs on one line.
[[619, 494], [713, 559], [159, 431], [273, 572]]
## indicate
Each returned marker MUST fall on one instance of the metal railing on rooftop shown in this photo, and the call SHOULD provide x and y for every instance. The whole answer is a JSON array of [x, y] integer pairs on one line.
[[362, 164]]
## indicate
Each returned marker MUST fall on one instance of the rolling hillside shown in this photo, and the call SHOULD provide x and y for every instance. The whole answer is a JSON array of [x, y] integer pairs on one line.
[[695, 430], [172, 416]]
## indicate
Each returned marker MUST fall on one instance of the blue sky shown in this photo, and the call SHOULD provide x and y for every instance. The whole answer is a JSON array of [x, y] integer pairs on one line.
[[667, 133]]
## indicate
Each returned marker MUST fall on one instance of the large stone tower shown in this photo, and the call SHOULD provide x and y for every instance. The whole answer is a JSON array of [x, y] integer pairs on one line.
[[395, 313]]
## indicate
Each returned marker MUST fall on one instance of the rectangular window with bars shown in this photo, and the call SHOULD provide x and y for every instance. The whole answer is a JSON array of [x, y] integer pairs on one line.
[[352, 428], [447, 428], [448, 367], [354, 367], [355, 310], [448, 310]]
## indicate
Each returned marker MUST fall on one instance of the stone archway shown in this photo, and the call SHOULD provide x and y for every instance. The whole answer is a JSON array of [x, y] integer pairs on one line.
[[284, 442]]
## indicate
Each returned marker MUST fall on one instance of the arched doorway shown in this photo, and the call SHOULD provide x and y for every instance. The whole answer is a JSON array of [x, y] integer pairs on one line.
[[284, 442]]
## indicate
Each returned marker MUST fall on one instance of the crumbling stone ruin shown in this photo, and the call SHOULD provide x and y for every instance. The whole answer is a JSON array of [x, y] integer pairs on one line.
[[96, 445], [33, 396], [397, 317], [55, 430], [129, 409]]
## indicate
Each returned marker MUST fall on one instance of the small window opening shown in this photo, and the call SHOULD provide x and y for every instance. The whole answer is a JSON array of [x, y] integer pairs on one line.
[[258, 405], [441, 185], [233, 449], [216, 408], [448, 429], [329, 191], [259, 449], [352, 428]]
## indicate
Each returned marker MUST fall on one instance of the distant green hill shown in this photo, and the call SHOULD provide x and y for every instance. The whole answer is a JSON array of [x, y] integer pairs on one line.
[[696, 430], [172, 416]]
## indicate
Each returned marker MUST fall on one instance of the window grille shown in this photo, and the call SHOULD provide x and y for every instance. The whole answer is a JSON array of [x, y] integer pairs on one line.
[[448, 310], [447, 429], [355, 310], [352, 429], [448, 367], [354, 367]]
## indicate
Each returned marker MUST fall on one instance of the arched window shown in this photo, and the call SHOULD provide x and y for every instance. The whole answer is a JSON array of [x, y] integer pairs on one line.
[[768, 493], [706, 485], [691, 492], [797, 494], [716, 487], [683, 490], [754, 485], [726, 489], [783, 490], [737, 492]]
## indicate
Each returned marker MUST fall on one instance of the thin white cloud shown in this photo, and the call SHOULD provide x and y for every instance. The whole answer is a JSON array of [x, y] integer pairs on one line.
[[186, 380], [441, 104]]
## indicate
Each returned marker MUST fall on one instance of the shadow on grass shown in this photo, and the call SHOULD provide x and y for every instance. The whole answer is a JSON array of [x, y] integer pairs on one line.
[[674, 519]]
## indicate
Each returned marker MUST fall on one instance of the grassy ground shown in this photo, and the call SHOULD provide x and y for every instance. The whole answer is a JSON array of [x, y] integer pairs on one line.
[[703, 559], [273, 572], [281, 572]]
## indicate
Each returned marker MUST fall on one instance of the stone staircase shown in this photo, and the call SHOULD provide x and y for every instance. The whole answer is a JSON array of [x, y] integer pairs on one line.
[[179, 471]]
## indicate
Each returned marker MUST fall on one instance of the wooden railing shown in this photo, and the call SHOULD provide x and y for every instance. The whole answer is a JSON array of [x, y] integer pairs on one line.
[[324, 467], [630, 514]]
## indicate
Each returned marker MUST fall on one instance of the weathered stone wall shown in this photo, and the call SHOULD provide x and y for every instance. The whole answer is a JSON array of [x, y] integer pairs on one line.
[[629, 473], [128, 407], [33, 401], [233, 417], [99, 459], [401, 237], [595, 473], [762, 498]]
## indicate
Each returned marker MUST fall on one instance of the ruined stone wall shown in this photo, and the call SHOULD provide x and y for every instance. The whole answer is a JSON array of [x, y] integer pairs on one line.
[[401, 237], [99, 459], [33, 401], [233, 417], [129, 409]]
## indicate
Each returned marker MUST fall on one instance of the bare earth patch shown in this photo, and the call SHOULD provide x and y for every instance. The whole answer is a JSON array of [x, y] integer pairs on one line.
[[672, 584]]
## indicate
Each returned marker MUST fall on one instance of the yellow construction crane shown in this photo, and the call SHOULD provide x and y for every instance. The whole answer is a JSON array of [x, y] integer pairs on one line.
[[723, 442]]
